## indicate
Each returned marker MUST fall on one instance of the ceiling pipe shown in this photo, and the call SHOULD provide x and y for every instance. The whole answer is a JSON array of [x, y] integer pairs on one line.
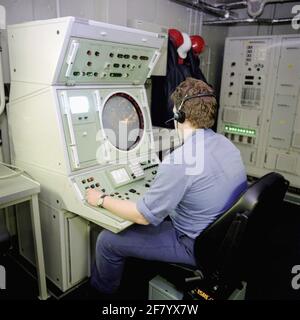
[[223, 10], [232, 5], [256, 7], [208, 8], [247, 21]]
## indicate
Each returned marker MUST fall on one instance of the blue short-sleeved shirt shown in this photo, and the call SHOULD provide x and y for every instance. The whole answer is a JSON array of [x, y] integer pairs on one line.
[[195, 183]]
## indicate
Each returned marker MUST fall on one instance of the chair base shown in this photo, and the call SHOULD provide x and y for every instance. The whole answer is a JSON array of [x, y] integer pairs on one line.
[[161, 289]]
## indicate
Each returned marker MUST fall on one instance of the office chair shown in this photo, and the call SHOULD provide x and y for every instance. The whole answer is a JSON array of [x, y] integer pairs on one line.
[[224, 250]]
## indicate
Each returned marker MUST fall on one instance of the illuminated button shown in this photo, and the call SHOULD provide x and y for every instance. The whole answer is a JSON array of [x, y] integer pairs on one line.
[[154, 172], [132, 190]]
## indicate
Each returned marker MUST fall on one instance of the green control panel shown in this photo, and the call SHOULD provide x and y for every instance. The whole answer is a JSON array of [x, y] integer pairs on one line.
[[90, 61], [240, 135]]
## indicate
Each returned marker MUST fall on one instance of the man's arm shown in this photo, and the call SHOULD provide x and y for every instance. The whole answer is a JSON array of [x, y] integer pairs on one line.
[[122, 208]]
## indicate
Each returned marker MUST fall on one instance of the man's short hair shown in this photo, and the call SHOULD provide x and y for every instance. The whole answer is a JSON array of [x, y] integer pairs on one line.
[[200, 112]]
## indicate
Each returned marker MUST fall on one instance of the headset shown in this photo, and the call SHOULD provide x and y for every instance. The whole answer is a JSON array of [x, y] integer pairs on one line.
[[179, 115]]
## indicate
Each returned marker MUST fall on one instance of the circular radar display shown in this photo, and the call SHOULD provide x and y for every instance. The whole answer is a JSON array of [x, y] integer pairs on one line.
[[122, 121]]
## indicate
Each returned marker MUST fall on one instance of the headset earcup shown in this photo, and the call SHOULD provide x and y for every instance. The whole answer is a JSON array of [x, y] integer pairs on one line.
[[180, 116]]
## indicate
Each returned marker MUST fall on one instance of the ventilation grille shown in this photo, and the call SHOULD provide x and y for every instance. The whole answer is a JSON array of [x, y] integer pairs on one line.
[[251, 96]]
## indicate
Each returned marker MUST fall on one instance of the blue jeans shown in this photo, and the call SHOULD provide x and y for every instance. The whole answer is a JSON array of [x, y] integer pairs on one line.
[[160, 243]]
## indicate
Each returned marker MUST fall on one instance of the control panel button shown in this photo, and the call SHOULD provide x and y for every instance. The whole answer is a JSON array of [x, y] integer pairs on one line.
[[132, 190], [147, 185]]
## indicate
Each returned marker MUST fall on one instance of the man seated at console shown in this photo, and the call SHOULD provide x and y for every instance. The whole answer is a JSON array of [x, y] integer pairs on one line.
[[193, 186]]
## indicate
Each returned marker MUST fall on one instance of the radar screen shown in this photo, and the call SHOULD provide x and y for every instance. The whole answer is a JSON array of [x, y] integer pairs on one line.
[[122, 121]]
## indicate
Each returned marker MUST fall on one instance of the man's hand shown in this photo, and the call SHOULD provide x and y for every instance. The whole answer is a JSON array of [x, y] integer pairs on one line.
[[92, 196]]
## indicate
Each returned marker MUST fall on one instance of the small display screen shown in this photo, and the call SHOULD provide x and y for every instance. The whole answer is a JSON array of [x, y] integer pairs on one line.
[[120, 175], [79, 104]]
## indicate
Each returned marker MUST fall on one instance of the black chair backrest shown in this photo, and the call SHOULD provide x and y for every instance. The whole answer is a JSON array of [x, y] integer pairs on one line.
[[5, 240], [255, 203]]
